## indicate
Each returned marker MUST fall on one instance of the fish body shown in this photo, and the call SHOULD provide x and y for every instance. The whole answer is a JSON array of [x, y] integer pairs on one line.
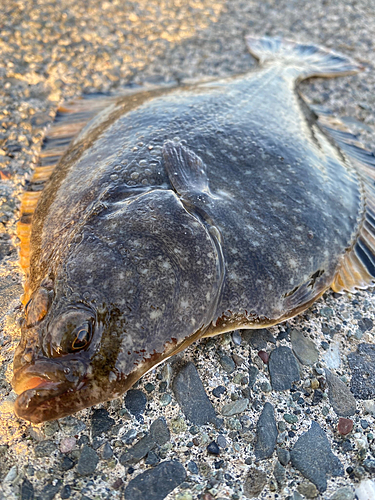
[[179, 213]]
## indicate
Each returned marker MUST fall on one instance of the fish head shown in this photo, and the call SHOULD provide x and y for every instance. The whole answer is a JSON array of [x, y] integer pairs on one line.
[[63, 362], [111, 312]]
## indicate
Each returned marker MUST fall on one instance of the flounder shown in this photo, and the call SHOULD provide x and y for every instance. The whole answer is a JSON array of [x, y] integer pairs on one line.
[[181, 213]]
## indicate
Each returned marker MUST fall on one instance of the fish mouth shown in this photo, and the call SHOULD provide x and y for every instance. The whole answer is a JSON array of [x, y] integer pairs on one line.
[[47, 390]]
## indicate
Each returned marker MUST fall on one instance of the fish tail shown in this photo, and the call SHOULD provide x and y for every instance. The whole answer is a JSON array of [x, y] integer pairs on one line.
[[309, 60]]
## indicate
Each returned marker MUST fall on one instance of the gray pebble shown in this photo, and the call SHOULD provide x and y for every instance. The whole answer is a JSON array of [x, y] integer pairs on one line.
[[266, 433], [283, 455], [227, 363], [345, 493], [255, 481], [362, 365], [156, 483], [45, 449], [253, 373], [107, 451], [283, 368], [313, 457], [100, 422], [236, 337], [340, 397], [235, 407], [279, 473], [50, 490], [27, 490], [135, 402], [191, 396], [87, 462], [221, 441], [192, 467], [303, 348], [258, 338]]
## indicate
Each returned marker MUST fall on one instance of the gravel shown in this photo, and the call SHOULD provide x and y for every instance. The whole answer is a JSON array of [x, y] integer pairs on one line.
[[51, 52]]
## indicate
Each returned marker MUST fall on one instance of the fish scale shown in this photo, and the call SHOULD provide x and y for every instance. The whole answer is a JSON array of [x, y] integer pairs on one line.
[[184, 212]]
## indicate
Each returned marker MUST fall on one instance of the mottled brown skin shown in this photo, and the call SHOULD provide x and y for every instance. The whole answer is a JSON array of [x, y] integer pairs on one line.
[[182, 213]]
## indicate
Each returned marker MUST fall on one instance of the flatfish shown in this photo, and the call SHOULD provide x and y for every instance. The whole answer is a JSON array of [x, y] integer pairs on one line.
[[163, 216]]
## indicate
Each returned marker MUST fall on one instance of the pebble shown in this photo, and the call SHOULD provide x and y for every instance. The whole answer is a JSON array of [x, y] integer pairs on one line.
[[45, 449], [255, 481], [258, 338], [27, 490], [156, 483], [283, 455], [107, 451], [221, 441], [308, 490], [219, 391], [280, 473], [365, 490], [235, 407], [344, 426], [65, 492], [340, 397], [264, 356], [191, 396], [313, 457], [192, 467], [236, 337], [67, 444], [303, 348], [227, 363], [331, 357], [135, 402], [362, 365], [67, 463], [345, 493], [266, 433], [213, 448], [369, 407], [101, 421], [253, 373], [283, 368], [87, 462], [291, 419], [50, 490], [158, 436]]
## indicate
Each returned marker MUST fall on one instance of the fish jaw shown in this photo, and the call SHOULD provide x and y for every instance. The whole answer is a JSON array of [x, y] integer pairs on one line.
[[47, 388]]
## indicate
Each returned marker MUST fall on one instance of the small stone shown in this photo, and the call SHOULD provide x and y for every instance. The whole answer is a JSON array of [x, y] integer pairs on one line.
[[149, 387], [219, 391], [45, 449], [264, 356], [258, 338], [165, 399], [308, 490], [135, 402], [156, 483], [227, 363], [234, 408], [279, 473], [253, 373], [87, 462], [303, 348], [67, 464], [317, 397], [152, 458], [369, 407], [362, 365], [327, 312], [65, 492], [283, 369], [313, 457], [236, 337], [255, 481], [345, 493], [101, 422], [50, 490], [213, 448], [160, 432], [344, 426], [266, 433], [369, 465], [365, 490], [107, 451], [340, 397], [283, 455], [291, 419], [221, 441], [67, 444], [192, 467], [265, 386], [332, 357], [27, 490], [191, 396]]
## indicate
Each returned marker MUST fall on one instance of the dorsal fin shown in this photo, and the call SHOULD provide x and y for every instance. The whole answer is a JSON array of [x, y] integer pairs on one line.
[[70, 119], [357, 269]]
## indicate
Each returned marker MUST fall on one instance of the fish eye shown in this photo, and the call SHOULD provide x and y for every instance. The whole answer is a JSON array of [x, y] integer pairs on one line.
[[82, 336]]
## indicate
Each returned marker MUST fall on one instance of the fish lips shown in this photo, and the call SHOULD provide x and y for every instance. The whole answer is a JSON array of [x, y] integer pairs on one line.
[[45, 388]]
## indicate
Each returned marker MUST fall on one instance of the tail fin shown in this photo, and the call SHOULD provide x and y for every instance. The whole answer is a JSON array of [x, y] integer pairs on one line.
[[308, 60]]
